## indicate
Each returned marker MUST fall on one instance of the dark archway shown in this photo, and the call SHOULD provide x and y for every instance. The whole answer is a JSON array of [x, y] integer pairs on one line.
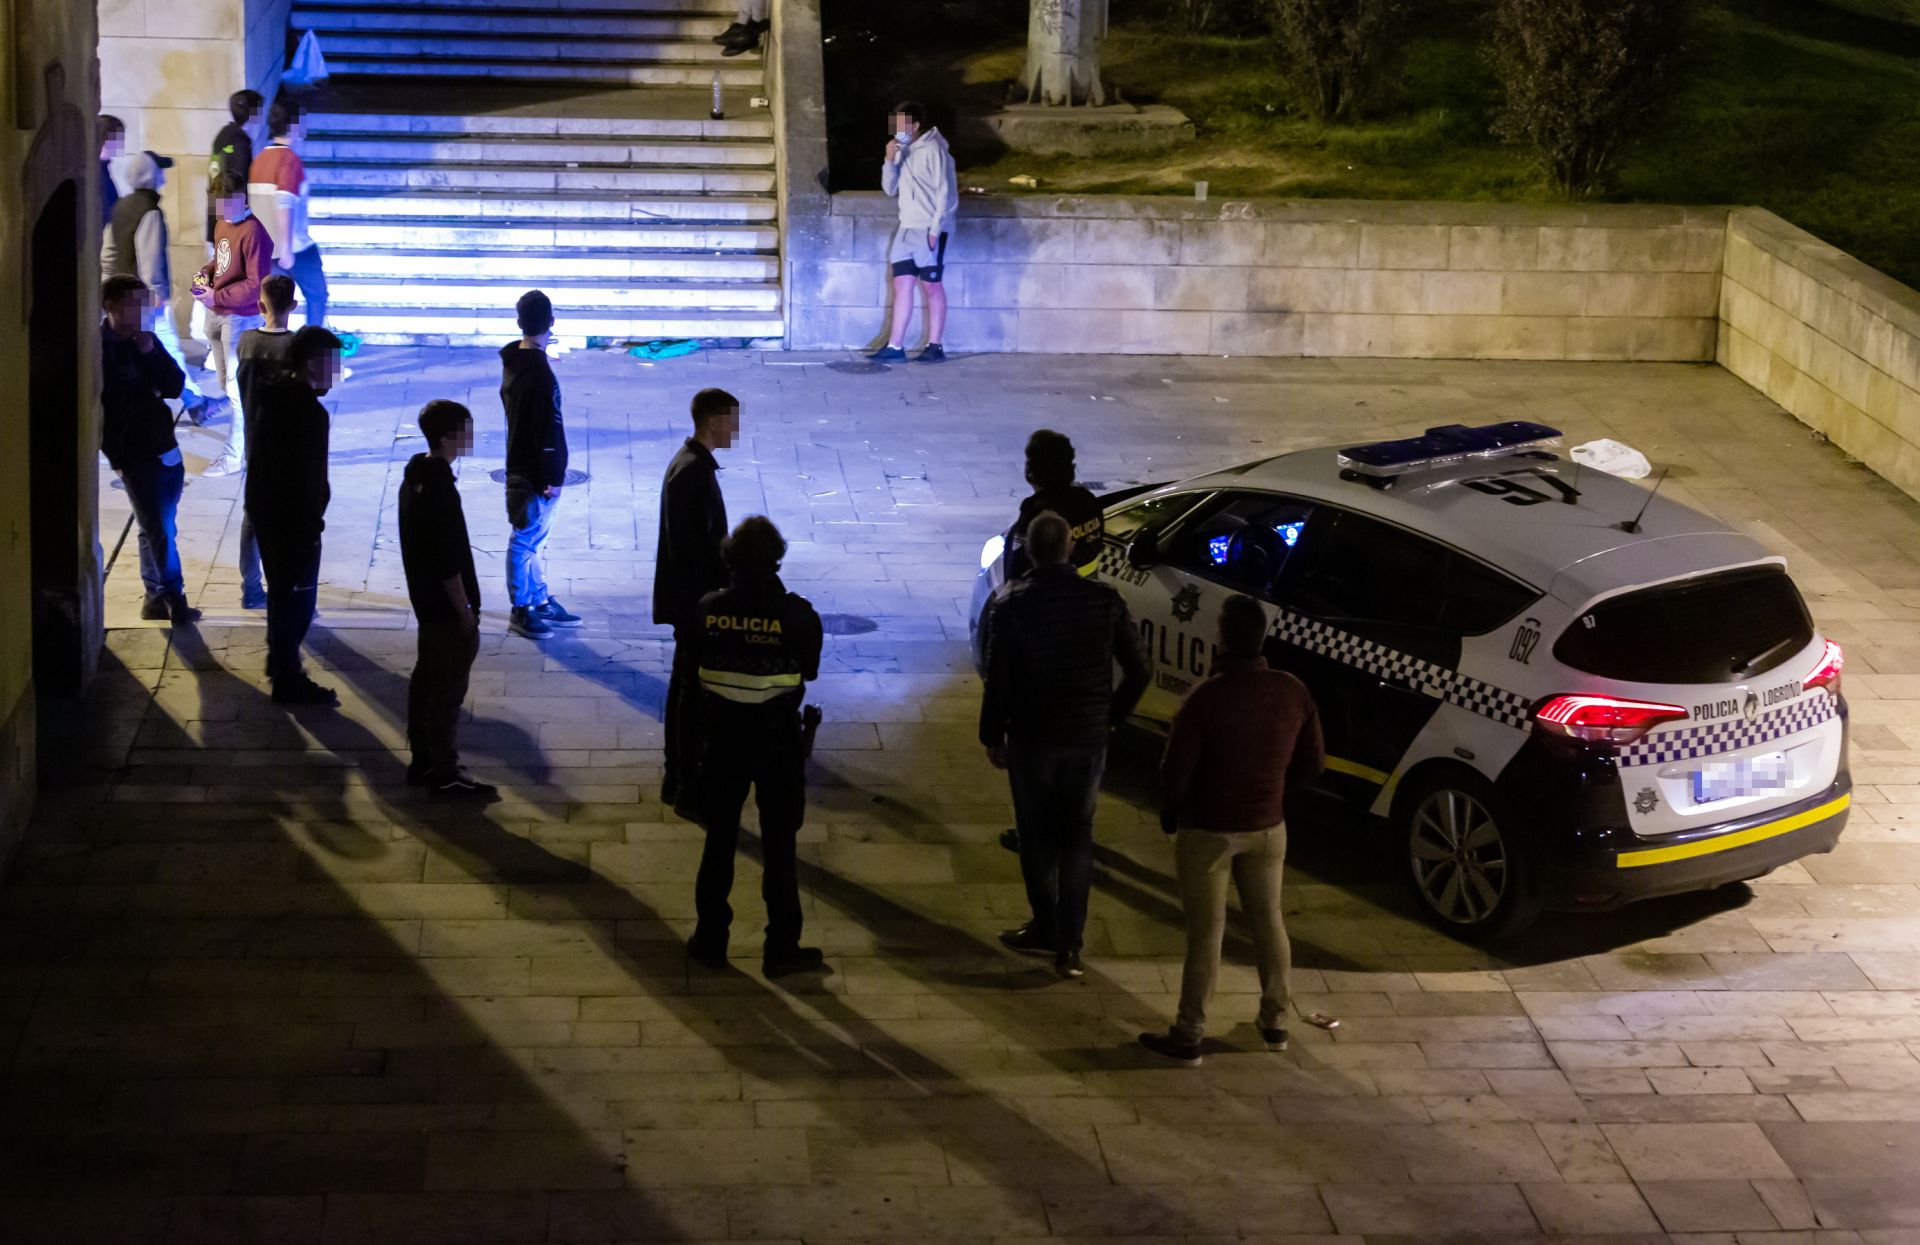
[[53, 432]]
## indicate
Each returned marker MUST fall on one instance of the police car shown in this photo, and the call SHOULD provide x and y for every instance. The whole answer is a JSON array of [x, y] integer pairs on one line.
[[1563, 690]]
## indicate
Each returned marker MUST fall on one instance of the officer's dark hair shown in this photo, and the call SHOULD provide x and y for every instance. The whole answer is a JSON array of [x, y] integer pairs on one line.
[[111, 127], [310, 343], [912, 109], [1243, 626], [244, 106], [756, 547], [533, 313], [710, 404], [113, 289], [277, 292], [1049, 539], [441, 418], [283, 116], [1049, 459], [229, 184]]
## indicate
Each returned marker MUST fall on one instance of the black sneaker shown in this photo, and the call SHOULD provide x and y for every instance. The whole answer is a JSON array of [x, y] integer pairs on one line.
[[794, 960], [735, 31], [707, 955], [1167, 1046], [461, 785], [180, 613], [887, 354], [529, 624], [417, 774], [740, 47], [555, 614], [154, 609], [1027, 940], [1276, 1039], [304, 691], [1068, 965], [934, 353], [1010, 839]]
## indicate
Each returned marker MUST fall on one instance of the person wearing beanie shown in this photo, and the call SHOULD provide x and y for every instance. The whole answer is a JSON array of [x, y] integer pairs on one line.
[[536, 466]]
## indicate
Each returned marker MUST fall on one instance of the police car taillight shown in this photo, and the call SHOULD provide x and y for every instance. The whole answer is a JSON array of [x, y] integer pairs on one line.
[[1827, 673], [1604, 719]]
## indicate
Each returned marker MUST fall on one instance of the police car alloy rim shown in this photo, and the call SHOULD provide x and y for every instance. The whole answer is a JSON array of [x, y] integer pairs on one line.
[[1459, 857]]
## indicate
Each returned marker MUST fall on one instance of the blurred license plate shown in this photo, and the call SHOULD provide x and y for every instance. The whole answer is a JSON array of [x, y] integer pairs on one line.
[[1724, 780]]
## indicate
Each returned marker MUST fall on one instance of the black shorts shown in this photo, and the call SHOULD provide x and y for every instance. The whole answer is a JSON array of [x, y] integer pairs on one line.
[[912, 257]]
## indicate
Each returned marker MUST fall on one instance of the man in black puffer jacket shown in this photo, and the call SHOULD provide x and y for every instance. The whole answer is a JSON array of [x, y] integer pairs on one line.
[[536, 466]]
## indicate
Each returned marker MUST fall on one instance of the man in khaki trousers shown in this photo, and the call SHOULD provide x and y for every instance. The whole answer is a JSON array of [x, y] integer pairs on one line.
[[1239, 741]]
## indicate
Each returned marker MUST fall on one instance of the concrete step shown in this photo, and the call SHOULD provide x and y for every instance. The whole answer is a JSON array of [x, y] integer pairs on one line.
[[567, 295], [725, 7], [448, 235], [474, 326], [739, 73], [529, 151], [420, 19], [429, 45], [533, 266], [340, 126], [472, 208], [666, 180]]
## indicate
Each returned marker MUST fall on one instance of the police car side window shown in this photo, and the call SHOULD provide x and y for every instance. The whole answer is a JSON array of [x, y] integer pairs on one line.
[[1244, 540], [1356, 569], [1125, 524]]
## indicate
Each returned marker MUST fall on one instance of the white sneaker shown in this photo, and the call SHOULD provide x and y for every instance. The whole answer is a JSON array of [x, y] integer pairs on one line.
[[223, 466], [346, 373]]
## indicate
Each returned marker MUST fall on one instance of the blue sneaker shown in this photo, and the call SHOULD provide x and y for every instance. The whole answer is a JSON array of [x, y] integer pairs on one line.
[[350, 344], [887, 354], [525, 621], [555, 614]]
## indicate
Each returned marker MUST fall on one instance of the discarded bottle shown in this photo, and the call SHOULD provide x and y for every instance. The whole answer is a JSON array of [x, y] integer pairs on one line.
[[719, 104]]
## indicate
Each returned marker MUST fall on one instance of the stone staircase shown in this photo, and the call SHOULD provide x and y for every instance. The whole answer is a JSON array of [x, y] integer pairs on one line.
[[466, 150]]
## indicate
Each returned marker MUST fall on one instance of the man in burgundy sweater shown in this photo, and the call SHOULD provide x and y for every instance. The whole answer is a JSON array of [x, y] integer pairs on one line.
[[1239, 741], [229, 288]]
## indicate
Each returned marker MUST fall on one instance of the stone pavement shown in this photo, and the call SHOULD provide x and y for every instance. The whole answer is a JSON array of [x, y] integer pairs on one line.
[[252, 988]]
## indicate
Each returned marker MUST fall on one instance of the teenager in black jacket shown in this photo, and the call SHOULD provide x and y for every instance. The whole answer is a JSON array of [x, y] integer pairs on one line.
[[536, 466], [687, 566]]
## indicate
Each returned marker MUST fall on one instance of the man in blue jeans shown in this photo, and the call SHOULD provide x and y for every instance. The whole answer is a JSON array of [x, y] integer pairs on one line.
[[536, 467], [1050, 705], [137, 376]]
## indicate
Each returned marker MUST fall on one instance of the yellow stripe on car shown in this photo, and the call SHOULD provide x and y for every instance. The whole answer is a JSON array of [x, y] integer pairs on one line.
[[1739, 838], [1340, 765]]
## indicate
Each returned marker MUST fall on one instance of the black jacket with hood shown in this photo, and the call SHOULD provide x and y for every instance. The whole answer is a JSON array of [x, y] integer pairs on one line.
[[693, 522], [536, 437]]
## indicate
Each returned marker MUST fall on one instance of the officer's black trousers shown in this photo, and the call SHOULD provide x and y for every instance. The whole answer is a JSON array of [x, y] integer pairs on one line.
[[756, 746]]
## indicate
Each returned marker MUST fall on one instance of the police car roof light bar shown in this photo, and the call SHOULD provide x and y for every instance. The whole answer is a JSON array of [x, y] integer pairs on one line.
[[1450, 443]]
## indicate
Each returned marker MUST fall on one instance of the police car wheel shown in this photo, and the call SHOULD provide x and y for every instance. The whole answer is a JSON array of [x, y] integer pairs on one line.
[[1468, 871]]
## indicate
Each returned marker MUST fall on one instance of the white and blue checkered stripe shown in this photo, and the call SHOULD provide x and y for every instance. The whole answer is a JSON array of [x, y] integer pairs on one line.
[[1440, 682], [1732, 735]]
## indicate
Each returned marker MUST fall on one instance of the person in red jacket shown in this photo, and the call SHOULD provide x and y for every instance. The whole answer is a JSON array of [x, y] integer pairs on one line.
[[229, 288], [1239, 742]]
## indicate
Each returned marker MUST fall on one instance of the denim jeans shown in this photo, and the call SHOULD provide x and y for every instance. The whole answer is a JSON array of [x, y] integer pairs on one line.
[[153, 489], [311, 276], [1254, 862], [223, 360], [292, 563], [532, 517], [1054, 791]]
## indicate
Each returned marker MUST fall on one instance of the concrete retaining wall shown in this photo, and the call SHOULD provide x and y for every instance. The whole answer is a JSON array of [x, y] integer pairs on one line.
[[1152, 275], [1833, 341]]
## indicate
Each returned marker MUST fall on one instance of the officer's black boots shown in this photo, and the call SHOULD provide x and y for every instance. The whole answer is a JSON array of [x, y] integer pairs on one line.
[[796, 960]]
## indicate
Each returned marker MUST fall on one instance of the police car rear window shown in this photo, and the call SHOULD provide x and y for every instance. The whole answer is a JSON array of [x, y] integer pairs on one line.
[[1711, 629]]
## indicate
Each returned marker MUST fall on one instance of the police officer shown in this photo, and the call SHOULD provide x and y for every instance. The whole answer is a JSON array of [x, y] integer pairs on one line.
[[687, 566], [1050, 470], [758, 644]]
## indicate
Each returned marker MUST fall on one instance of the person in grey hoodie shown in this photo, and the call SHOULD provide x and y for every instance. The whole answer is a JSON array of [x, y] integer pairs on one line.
[[135, 245], [918, 171]]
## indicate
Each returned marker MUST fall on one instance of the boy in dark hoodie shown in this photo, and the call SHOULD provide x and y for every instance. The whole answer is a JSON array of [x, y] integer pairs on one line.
[[438, 557], [536, 466], [265, 356], [287, 495]]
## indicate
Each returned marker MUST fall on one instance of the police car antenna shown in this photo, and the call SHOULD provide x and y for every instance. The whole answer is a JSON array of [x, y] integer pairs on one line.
[[1632, 526]]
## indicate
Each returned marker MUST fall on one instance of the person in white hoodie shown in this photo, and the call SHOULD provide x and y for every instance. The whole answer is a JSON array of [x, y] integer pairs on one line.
[[918, 171]]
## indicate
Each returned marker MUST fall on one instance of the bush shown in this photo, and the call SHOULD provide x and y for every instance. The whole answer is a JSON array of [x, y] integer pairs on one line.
[[1335, 49], [1580, 75]]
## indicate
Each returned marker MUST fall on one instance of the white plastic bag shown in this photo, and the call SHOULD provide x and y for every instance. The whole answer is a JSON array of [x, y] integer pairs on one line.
[[1613, 458], [308, 68]]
